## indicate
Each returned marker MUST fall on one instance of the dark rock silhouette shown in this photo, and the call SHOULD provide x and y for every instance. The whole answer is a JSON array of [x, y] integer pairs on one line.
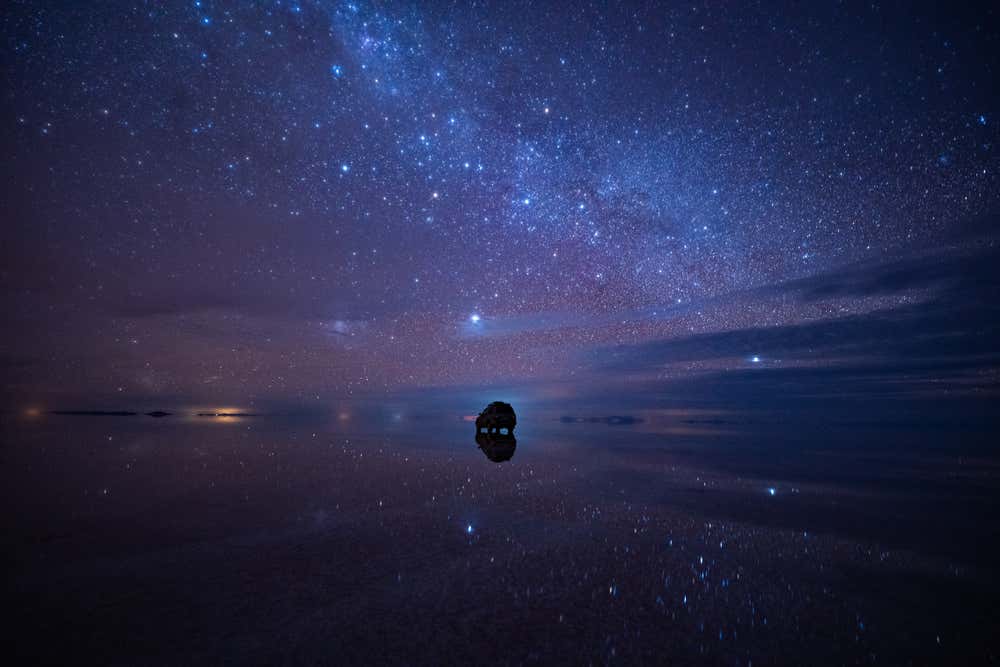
[[498, 448], [497, 418], [158, 413]]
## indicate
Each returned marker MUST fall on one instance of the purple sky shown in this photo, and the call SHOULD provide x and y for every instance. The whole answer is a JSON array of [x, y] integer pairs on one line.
[[281, 204]]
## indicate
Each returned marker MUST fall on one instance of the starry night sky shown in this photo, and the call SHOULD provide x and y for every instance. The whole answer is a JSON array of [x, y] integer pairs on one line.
[[286, 204]]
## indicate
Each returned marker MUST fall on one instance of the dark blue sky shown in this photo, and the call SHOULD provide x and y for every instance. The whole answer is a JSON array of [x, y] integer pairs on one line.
[[299, 203]]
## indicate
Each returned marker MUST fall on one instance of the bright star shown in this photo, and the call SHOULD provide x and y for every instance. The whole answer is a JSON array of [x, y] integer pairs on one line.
[[474, 318], [755, 359]]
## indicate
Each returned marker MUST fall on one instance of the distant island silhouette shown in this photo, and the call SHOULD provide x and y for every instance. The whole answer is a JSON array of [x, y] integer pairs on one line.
[[612, 420], [154, 413], [94, 413]]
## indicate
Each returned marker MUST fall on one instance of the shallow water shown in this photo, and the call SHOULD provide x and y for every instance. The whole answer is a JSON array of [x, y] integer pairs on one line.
[[722, 539]]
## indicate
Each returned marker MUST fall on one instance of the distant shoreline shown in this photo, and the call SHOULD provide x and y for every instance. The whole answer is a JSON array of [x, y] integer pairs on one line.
[[155, 413], [94, 413], [229, 414], [107, 413]]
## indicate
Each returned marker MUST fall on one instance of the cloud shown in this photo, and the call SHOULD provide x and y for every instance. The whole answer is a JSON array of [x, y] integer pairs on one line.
[[957, 269], [944, 343], [950, 269]]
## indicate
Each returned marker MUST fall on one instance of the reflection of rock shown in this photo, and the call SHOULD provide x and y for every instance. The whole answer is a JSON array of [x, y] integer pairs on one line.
[[497, 447], [158, 413], [497, 419]]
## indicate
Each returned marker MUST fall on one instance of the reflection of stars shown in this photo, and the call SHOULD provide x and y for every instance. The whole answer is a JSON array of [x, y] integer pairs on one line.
[[468, 529]]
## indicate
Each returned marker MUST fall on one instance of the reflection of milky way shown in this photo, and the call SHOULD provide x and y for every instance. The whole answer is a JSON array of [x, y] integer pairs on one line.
[[589, 543], [325, 198]]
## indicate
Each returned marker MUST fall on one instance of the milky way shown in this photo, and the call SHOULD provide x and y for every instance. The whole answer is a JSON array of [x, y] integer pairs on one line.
[[305, 201]]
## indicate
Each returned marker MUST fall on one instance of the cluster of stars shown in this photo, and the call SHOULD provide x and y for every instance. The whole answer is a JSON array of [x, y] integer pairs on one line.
[[473, 157]]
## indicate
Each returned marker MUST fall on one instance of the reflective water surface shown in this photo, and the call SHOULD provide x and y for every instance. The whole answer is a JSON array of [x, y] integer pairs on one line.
[[719, 539]]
